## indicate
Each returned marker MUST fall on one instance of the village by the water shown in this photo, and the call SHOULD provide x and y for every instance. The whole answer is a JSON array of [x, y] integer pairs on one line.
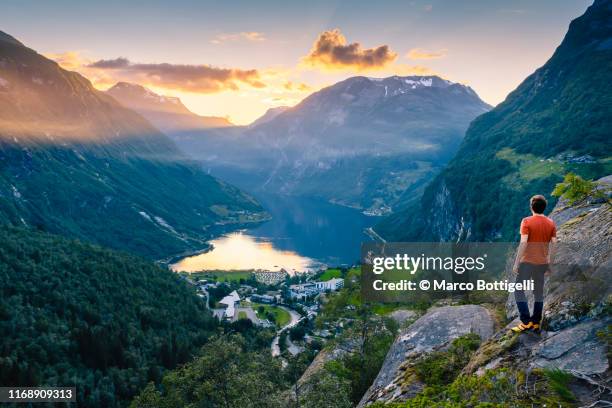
[[287, 303]]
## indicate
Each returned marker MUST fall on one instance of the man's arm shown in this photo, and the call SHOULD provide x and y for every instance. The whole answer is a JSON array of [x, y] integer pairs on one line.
[[550, 249], [520, 251]]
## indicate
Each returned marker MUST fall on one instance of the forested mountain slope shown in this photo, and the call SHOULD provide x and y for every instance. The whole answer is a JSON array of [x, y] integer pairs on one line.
[[558, 120], [74, 161], [74, 314]]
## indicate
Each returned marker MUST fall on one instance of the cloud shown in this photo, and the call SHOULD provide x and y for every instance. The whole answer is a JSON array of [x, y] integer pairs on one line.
[[110, 64], [300, 87], [70, 60], [74, 61], [189, 78], [251, 36], [421, 54], [332, 51]]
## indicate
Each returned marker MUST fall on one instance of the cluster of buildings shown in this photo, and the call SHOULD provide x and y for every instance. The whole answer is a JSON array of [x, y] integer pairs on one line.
[[304, 290], [230, 304], [270, 277], [268, 299]]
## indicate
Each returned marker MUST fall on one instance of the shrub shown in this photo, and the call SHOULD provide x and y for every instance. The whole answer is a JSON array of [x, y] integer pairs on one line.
[[558, 380], [574, 188], [441, 368]]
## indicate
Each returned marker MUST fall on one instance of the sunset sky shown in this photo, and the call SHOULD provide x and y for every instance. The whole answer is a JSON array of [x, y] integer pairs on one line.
[[239, 58]]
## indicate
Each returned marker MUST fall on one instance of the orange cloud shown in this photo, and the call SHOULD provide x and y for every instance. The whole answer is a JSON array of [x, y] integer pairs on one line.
[[301, 87], [332, 51], [252, 36], [421, 54], [70, 60], [188, 78], [74, 61]]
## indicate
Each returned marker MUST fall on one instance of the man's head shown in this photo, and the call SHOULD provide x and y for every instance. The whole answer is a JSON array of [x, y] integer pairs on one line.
[[538, 204]]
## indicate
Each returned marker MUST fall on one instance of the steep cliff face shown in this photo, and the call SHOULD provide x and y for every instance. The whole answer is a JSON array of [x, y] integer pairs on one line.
[[558, 120]]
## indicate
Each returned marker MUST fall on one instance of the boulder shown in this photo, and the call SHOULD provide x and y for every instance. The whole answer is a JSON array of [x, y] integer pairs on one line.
[[432, 332]]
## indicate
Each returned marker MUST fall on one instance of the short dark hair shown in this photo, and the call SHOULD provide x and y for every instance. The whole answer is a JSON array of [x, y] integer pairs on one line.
[[538, 204]]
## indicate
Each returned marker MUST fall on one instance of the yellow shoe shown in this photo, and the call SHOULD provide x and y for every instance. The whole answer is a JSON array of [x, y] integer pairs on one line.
[[535, 327], [521, 327]]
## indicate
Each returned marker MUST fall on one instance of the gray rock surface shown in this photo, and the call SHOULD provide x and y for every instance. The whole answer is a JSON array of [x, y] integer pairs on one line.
[[403, 316], [434, 331], [336, 352], [576, 348]]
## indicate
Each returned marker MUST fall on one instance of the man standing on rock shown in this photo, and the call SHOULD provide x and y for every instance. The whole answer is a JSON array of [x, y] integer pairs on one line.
[[533, 262]]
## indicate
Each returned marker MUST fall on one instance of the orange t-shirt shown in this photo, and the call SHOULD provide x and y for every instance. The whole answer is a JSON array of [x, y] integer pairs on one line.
[[540, 230]]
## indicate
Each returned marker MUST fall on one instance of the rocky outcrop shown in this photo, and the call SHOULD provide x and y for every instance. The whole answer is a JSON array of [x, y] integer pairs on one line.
[[403, 317], [432, 332], [576, 349], [576, 334], [577, 304], [334, 352], [579, 285]]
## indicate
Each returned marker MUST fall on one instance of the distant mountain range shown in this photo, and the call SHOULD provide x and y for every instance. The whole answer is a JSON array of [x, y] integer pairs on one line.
[[166, 113], [76, 162], [558, 120], [363, 142], [269, 115]]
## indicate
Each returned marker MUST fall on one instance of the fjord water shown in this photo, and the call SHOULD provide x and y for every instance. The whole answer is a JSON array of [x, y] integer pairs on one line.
[[303, 234]]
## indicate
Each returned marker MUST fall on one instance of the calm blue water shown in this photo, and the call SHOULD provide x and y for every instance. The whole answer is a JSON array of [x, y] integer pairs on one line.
[[302, 234], [314, 228]]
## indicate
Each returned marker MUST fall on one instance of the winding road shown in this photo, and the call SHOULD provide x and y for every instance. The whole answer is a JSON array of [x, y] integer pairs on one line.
[[295, 319]]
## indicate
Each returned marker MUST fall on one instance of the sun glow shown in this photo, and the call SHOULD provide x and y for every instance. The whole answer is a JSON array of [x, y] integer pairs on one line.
[[239, 251]]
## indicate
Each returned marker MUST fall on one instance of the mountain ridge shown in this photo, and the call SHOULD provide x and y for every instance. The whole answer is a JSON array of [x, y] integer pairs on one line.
[[362, 143], [269, 115], [168, 113], [75, 162]]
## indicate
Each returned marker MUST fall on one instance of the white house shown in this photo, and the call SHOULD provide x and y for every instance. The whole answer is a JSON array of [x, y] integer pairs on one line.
[[230, 301]]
